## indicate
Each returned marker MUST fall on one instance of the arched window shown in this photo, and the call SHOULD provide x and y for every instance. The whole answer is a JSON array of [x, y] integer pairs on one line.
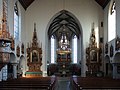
[[16, 22], [112, 22], [75, 49], [52, 49]]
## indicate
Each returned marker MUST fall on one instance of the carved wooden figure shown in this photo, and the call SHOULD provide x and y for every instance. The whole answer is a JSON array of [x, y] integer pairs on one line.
[[18, 51], [22, 48], [117, 43], [111, 50], [106, 48]]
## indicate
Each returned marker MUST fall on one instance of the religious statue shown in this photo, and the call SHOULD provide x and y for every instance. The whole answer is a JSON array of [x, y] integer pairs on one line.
[[93, 55], [18, 51], [22, 48], [117, 43], [111, 51], [34, 57], [106, 48]]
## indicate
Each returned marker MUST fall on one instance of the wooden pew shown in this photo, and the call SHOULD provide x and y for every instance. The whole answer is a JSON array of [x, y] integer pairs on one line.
[[80, 83], [42, 83]]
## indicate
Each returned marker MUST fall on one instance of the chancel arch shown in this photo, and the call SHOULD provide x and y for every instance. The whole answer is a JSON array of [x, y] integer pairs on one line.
[[64, 40]]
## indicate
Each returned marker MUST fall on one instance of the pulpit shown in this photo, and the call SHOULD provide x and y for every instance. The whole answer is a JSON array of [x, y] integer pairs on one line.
[[34, 57], [5, 38]]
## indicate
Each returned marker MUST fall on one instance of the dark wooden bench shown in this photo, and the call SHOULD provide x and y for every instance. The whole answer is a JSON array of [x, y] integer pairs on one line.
[[80, 83], [42, 83]]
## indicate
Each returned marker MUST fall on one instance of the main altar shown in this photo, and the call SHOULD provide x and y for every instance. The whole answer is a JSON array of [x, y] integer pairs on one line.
[[34, 57]]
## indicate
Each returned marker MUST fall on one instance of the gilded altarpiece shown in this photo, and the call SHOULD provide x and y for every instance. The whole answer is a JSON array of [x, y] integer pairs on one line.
[[34, 57], [93, 60]]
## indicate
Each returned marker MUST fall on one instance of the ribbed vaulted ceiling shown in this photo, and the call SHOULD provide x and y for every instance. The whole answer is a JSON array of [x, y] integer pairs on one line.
[[64, 23]]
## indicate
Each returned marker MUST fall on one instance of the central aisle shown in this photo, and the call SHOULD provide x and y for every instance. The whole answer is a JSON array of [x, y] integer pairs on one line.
[[63, 83]]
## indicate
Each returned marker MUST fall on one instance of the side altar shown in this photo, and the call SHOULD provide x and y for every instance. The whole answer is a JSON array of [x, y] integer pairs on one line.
[[93, 56], [34, 57]]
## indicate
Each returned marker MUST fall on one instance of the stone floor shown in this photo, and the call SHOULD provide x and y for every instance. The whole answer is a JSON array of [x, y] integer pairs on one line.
[[63, 83]]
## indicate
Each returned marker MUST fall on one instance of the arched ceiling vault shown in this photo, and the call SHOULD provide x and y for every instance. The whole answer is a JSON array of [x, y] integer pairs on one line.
[[64, 21]]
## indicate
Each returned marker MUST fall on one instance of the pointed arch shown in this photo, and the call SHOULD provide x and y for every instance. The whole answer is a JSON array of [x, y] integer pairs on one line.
[[65, 19]]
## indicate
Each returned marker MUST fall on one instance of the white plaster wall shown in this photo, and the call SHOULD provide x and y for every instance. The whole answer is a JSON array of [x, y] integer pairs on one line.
[[106, 23], [118, 17], [41, 11]]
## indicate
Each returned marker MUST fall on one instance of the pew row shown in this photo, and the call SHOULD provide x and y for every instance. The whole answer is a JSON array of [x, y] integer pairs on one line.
[[81, 83], [41, 83]]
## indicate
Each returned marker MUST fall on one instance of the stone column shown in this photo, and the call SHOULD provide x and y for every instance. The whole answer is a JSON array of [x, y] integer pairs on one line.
[[14, 70], [114, 71]]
